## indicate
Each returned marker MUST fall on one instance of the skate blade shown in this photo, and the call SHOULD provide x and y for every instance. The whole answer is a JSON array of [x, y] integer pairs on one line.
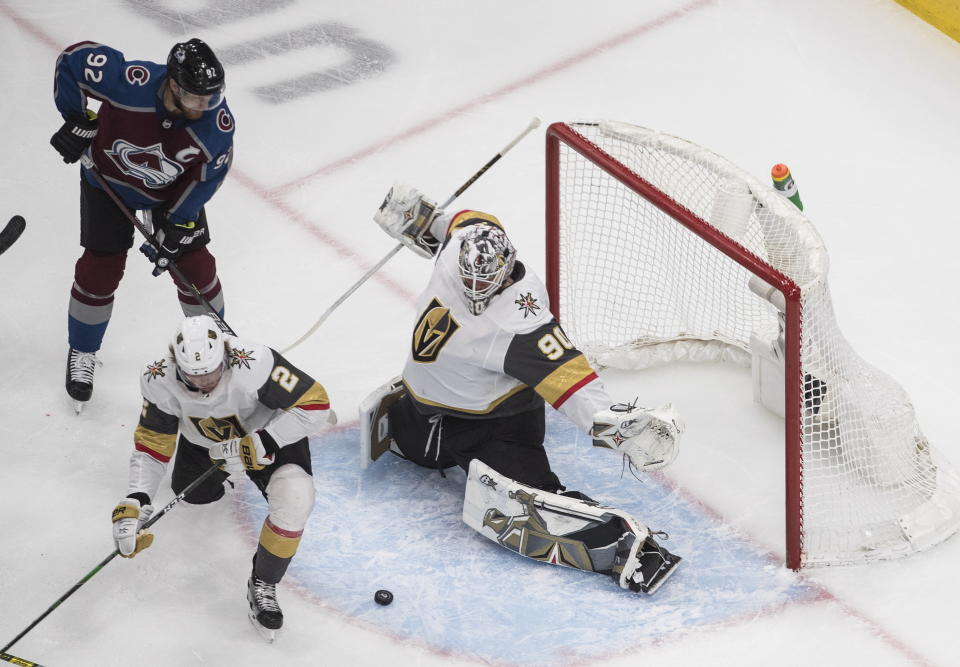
[[78, 406], [266, 634], [657, 583]]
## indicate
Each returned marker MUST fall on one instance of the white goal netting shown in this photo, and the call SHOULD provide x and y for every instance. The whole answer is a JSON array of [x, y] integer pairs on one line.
[[656, 251]]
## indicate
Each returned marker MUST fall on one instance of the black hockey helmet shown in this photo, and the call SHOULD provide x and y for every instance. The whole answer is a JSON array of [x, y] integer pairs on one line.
[[195, 68]]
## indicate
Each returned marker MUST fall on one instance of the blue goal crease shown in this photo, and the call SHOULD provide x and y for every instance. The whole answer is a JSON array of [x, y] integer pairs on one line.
[[397, 526]]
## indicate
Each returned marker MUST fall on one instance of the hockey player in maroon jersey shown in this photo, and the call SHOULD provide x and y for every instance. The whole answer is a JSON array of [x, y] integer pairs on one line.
[[244, 406], [163, 141], [484, 357]]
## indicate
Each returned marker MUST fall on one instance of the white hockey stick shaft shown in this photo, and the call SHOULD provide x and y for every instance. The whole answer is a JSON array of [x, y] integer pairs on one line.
[[534, 123]]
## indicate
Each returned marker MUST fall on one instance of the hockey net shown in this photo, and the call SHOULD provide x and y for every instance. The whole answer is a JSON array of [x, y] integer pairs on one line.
[[707, 263]]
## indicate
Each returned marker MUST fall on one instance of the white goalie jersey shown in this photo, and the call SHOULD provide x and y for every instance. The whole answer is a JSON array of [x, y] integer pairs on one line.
[[507, 360], [259, 391]]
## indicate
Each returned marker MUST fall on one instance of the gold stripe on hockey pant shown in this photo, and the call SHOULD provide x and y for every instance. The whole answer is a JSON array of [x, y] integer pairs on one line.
[[462, 218], [490, 408], [279, 542], [314, 398], [158, 445], [556, 387]]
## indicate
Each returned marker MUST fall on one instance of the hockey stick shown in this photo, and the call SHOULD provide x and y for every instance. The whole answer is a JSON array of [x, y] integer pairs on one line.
[[152, 520], [11, 232], [172, 267], [23, 662], [534, 123]]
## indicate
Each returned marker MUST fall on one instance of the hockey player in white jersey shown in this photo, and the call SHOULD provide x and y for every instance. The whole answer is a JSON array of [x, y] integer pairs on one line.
[[241, 405], [485, 355]]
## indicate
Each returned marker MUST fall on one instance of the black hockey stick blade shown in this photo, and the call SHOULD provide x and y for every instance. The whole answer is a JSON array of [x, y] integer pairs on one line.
[[6, 657], [11, 232]]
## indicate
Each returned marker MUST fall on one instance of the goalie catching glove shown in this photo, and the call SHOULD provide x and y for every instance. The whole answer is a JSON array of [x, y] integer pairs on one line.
[[128, 518], [649, 437], [406, 214], [240, 454]]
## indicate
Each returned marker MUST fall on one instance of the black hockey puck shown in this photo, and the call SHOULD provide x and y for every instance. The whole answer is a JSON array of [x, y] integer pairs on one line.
[[383, 597]]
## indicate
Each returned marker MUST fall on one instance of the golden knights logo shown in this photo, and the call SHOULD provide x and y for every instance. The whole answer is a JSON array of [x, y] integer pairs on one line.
[[433, 330], [156, 369], [528, 535], [239, 357], [528, 304], [219, 428]]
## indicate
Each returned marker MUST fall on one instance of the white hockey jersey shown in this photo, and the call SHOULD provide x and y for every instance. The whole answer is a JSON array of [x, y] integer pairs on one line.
[[507, 360], [259, 391]]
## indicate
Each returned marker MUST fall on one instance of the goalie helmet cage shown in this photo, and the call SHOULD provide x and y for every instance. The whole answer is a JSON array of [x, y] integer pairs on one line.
[[639, 276]]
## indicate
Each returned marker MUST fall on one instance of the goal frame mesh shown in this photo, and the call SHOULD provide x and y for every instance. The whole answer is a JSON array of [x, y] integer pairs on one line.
[[563, 136]]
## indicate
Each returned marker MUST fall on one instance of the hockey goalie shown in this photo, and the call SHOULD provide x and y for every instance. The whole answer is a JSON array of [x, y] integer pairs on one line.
[[485, 356]]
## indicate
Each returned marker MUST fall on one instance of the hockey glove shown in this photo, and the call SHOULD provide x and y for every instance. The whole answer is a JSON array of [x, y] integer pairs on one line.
[[649, 437], [74, 136], [406, 214], [176, 238], [241, 454], [128, 517]]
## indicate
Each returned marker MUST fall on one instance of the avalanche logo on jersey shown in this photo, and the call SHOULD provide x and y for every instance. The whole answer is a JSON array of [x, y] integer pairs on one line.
[[156, 369], [240, 357], [528, 304], [433, 330], [148, 164], [219, 429], [137, 75]]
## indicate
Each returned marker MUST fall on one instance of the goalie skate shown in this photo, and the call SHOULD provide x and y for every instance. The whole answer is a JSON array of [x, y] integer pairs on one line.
[[643, 568]]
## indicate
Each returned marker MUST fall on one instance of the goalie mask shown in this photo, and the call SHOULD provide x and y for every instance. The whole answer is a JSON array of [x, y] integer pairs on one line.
[[199, 351], [486, 261]]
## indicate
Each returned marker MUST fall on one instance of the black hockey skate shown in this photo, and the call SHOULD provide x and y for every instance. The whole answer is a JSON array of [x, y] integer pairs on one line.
[[79, 381], [265, 614], [652, 564]]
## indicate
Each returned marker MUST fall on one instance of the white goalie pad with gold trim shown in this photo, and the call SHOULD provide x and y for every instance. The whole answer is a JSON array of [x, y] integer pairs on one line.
[[375, 436], [544, 526]]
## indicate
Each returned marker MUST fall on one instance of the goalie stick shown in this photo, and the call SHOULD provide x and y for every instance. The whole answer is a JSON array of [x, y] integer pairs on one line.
[[172, 268], [116, 552], [534, 123], [11, 232]]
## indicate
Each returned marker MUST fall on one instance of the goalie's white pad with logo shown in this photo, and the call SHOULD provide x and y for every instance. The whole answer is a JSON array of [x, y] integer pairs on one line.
[[539, 525], [375, 436]]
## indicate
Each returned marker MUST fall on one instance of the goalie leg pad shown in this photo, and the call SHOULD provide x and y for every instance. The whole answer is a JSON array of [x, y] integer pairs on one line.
[[375, 435], [558, 529]]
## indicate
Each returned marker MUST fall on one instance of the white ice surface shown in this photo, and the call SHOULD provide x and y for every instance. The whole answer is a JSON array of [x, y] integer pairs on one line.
[[858, 97]]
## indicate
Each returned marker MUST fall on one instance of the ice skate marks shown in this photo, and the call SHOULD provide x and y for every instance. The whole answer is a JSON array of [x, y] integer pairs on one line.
[[397, 526]]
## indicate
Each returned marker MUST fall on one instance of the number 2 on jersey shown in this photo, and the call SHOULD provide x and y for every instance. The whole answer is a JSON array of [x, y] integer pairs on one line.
[[283, 377]]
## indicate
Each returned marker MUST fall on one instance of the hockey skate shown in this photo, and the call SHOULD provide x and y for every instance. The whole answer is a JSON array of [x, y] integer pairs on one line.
[[265, 614], [643, 568], [79, 381]]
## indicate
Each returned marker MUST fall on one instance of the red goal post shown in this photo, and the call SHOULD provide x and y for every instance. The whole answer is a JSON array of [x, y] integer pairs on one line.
[[710, 264]]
